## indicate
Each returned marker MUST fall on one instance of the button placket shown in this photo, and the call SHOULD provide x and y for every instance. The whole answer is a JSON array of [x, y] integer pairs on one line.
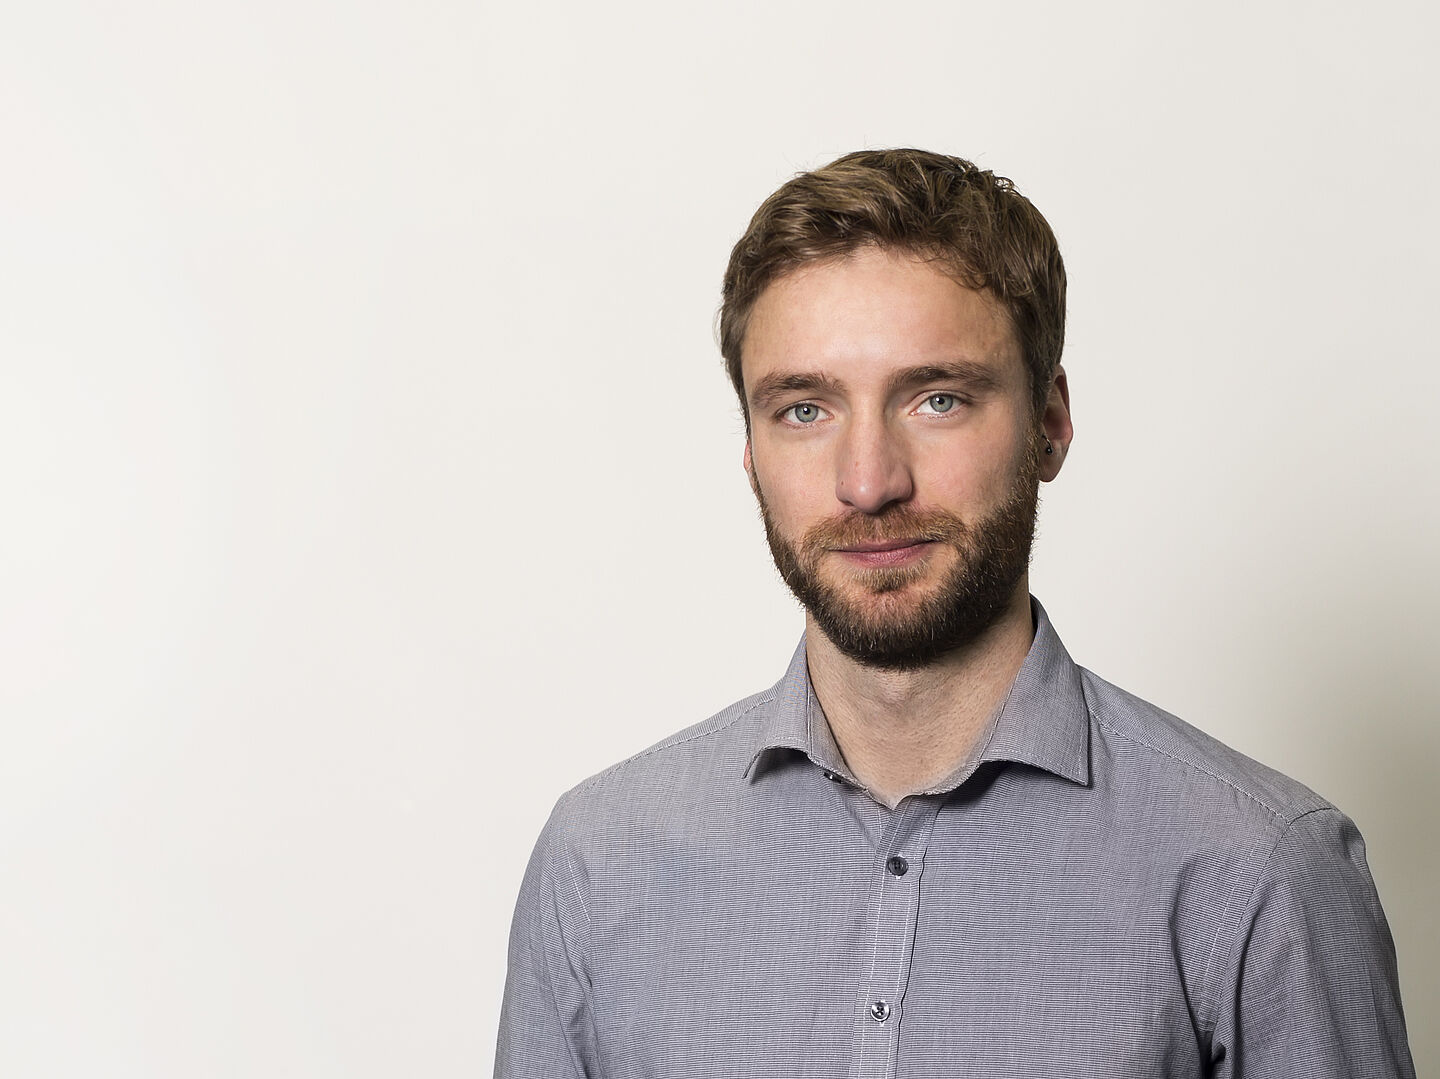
[[895, 908]]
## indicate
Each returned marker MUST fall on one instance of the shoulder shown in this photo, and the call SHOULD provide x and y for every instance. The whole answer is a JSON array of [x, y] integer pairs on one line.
[[1257, 862], [691, 766], [1147, 744]]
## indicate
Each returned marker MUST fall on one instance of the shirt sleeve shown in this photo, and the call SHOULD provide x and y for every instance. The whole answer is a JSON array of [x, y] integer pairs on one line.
[[1311, 986], [546, 1030]]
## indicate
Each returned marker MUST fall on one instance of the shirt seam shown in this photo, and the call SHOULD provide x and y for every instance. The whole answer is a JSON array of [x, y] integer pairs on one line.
[[1211, 969], [1210, 991], [572, 878], [567, 860], [669, 744], [1272, 810]]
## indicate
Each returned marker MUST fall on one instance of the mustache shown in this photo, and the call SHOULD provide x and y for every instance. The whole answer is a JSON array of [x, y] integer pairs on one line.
[[896, 524]]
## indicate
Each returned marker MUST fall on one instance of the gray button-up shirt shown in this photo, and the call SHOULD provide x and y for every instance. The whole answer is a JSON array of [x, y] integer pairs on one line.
[[1102, 891]]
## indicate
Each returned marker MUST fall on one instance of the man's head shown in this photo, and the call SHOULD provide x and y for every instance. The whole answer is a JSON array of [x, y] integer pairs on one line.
[[896, 436], [974, 224]]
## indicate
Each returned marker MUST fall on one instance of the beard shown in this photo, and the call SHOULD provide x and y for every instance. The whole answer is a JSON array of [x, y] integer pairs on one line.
[[874, 615]]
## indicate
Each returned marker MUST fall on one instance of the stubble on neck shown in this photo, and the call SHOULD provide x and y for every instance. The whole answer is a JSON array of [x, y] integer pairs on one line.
[[902, 731]]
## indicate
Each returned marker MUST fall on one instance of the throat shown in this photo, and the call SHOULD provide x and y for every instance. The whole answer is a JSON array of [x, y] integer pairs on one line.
[[903, 732]]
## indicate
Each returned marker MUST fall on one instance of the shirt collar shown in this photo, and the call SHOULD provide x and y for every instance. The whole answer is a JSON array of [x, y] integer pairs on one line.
[[1043, 722]]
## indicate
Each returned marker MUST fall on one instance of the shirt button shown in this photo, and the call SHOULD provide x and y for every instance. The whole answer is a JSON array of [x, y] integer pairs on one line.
[[897, 866], [831, 776], [880, 1011]]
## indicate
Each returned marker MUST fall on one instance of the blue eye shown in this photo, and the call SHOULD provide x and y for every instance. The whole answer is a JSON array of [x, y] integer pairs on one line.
[[803, 413], [941, 402]]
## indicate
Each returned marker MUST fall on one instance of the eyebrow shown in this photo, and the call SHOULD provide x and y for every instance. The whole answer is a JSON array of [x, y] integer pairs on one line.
[[775, 386], [975, 377]]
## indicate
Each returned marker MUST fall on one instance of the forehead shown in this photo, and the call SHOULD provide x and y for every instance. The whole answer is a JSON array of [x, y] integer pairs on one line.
[[873, 312]]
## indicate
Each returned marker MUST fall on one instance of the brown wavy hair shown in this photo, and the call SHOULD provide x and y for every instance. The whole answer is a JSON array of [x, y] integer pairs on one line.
[[984, 232]]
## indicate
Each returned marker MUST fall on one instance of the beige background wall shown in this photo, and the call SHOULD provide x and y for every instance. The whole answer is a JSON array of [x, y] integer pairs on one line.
[[370, 477]]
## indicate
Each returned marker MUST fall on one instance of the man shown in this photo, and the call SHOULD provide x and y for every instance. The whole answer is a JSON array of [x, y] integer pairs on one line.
[[936, 847]]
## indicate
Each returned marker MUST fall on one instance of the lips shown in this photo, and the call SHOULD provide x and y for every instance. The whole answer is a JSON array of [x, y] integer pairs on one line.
[[885, 553], [900, 535], [885, 545]]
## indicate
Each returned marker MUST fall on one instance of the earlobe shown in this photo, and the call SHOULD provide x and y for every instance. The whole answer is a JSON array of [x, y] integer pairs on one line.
[[1056, 428]]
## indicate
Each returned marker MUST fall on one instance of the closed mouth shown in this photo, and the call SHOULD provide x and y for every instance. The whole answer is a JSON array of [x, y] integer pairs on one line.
[[885, 545]]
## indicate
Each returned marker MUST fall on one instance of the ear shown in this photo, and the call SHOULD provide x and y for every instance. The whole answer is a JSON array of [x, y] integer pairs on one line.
[[1055, 425], [749, 463]]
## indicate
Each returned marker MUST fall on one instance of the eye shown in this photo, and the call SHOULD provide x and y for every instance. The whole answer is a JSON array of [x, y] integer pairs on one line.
[[938, 403], [804, 413]]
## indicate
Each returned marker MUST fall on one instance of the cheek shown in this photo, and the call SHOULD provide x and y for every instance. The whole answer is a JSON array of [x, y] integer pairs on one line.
[[796, 488], [973, 474], [794, 505]]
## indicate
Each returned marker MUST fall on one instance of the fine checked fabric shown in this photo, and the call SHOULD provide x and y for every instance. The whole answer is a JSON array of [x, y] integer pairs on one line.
[[1102, 891]]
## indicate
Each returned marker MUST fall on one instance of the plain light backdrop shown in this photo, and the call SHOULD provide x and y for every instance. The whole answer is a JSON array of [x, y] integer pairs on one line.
[[370, 476]]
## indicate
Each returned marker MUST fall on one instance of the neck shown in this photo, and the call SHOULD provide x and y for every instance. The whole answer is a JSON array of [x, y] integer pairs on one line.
[[903, 731]]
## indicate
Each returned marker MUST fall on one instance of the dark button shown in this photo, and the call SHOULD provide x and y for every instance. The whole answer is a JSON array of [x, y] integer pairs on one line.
[[897, 866], [831, 776], [880, 1011]]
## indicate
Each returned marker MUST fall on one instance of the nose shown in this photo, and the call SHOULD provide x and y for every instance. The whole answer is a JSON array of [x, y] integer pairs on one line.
[[872, 470]]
